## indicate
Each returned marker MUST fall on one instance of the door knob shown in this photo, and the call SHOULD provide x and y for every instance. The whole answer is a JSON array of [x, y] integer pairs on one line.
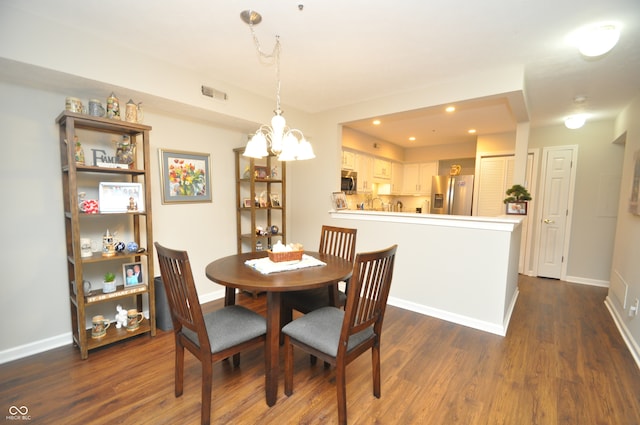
[[548, 221]]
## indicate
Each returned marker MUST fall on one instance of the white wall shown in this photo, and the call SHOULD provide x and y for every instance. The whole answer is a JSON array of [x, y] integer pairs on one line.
[[625, 270], [593, 225]]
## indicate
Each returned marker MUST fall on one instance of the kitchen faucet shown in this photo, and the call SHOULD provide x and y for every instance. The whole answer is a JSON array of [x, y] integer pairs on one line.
[[381, 203]]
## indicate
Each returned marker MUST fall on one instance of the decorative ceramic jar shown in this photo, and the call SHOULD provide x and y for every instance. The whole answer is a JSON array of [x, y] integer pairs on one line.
[[113, 107], [131, 111]]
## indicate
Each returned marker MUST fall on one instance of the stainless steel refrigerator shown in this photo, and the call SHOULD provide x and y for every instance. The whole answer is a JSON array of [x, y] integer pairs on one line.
[[452, 195]]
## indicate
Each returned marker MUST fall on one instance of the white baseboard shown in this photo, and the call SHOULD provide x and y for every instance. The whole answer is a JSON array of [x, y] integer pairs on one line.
[[631, 343], [586, 281], [36, 347], [457, 318], [212, 296]]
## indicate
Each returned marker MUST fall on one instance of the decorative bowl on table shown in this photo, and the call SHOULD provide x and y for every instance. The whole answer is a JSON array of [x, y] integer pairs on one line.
[[278, 257]]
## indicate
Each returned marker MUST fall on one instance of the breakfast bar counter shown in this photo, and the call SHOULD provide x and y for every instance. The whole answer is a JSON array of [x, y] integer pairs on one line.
[[463, 269]]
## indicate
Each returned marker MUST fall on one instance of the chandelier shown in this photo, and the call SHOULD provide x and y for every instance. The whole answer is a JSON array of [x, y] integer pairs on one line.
[[277, 139]]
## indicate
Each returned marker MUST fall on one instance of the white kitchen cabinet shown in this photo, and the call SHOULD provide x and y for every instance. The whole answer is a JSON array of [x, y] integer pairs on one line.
[[348, 160], [417, 178], [397, 176], [381, 169], [364, 168]]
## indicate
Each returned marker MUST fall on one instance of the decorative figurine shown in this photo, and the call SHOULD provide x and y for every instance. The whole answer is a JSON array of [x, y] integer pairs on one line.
[[125, 151], [108, 248], [79, 154], [121, 317]]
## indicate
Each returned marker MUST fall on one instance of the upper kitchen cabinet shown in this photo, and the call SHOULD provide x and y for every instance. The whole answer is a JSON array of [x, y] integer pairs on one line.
[[417, 178], [364, 167], [348, 160], [381, 169], [397, 177]]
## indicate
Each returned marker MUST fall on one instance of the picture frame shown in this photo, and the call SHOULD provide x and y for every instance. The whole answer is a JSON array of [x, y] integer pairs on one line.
[[118, 197], [260, 172], [339, 200], [275, 200], [246, 202], [517, 208], [185, 176], [133, 274]]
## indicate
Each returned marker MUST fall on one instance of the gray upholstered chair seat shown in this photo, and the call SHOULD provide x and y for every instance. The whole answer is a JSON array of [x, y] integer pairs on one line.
[[230, 326], [321, 329]]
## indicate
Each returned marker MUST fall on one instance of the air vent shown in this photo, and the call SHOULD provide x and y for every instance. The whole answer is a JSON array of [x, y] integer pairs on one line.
[[211, 92]]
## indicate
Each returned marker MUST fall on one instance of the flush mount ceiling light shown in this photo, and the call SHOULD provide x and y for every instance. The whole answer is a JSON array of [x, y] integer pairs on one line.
[[575, 121], [596, 40], [286, 143]]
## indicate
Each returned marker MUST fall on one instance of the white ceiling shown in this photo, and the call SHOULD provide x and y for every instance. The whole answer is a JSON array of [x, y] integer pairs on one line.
[[341, 52]]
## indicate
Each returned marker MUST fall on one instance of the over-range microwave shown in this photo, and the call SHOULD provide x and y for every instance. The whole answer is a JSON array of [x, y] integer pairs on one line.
[[349, 182]]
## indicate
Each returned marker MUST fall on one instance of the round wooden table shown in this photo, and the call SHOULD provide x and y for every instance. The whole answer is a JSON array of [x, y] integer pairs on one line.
[[233, 273]]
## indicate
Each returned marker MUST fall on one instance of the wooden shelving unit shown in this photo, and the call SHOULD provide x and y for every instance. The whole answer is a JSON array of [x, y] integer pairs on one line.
[[136, 225], [251, 183]]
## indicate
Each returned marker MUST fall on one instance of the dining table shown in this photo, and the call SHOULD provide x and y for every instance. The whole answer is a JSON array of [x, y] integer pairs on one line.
[[234, 273]]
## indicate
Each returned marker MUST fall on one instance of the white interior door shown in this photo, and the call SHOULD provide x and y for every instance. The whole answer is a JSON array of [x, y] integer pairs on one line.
[[554, 220]]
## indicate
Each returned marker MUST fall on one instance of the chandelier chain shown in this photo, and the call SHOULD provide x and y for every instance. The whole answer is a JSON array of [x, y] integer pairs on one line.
[[275, 56]]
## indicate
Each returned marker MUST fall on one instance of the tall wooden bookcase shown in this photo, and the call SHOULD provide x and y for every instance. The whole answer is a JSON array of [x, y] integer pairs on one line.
[[260, 201], [97, 136]]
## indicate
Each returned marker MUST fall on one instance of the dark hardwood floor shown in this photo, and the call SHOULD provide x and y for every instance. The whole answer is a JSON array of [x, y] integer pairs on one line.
[[562, 362]]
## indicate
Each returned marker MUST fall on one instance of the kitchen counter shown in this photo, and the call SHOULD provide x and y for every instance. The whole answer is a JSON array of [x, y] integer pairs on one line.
[[504, 223], [463, 269]]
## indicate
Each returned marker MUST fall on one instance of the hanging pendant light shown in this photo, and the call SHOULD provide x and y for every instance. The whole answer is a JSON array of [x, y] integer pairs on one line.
[[288, 144]]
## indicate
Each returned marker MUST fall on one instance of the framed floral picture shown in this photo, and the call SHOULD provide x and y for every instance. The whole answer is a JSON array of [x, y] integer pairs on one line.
[[185, 176]]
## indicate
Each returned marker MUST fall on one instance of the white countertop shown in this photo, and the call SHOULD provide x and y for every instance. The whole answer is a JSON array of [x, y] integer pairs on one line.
[[502, 223]]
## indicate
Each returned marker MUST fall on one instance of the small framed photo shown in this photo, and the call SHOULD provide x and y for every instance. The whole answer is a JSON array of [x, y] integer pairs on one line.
[[260, 172], [339, 200], [185, 176], [517, 208], [275, 200], [246, 202], [133, 274], [120, 197]]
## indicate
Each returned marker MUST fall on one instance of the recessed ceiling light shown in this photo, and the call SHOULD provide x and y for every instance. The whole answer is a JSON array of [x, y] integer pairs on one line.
[[376, 122], [413, 139], [575, 121], [597, 39], [472, 131], [450, 108]]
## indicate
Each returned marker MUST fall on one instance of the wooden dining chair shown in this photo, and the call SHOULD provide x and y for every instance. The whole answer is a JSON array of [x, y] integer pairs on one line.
[[339, 241], [339, 336], [215, 336]]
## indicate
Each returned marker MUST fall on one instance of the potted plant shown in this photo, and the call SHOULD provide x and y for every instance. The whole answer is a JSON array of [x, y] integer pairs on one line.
[[516, 201], [109, 283]]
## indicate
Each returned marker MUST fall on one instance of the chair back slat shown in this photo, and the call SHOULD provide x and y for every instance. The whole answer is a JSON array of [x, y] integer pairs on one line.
[[368, 292], [182, 295], [338, 241]]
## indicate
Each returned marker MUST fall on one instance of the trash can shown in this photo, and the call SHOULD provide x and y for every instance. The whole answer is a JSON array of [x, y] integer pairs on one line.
[[163, 314]]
